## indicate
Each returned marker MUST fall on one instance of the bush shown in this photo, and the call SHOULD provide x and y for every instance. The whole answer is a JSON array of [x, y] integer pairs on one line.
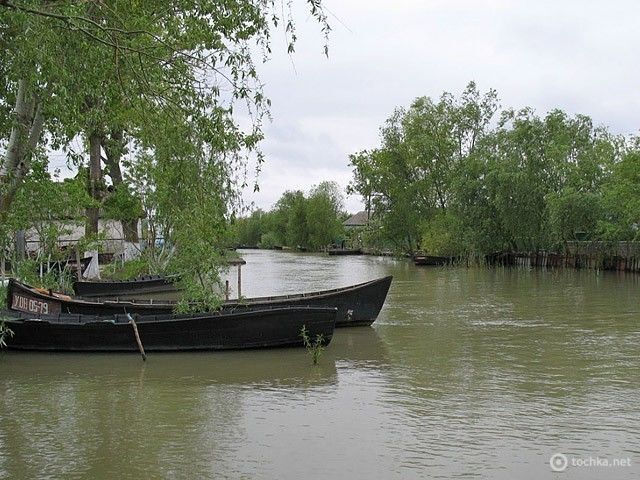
[[441, 235], [127, 270], [269, 240]]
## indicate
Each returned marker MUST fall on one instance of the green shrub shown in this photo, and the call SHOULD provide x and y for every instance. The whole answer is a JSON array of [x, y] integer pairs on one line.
[[269, 240]]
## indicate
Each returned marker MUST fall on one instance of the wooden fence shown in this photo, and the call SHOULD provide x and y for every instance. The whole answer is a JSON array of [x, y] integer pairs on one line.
[[617, 256]]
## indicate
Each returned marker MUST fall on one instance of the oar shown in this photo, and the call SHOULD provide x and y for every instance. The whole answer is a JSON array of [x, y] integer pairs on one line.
[[135, 331]]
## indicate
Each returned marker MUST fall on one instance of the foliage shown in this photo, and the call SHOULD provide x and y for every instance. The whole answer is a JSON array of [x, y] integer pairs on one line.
[[292, 219], [574, 215], [3, 297], [192, 199], [126, 270], [297, 220], [621, 198], [157, 86], [411, 177], [121, 204], [315, 347], [46, 209], [441, 235], [322, 215], [269, 240], [29, 271], [448, 179], [372, 236], [47, 206], [249, 231]]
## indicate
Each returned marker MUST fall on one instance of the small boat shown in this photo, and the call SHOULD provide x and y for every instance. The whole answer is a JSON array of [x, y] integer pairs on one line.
[[432, 260], [357, 304], [249, 328], [148, 287], [344, 251]]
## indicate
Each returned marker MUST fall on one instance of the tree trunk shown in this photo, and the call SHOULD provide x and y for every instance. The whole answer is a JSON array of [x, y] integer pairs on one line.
[[95, 177], [114, 149], [25, 135]]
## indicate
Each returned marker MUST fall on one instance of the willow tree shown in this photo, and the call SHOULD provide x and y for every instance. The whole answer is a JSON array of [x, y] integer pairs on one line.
[[409, 180], [124, 76], [98, 68], [463, 184]]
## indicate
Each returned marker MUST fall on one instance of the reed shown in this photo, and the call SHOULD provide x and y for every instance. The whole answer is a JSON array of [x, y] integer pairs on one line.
[[315, 347]]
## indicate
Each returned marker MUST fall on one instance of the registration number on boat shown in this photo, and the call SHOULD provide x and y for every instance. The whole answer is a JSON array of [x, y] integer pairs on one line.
[[32, 305]]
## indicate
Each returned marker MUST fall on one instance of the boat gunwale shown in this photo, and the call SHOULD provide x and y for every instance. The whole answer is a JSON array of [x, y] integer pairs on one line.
[[248, 301], [12, 316]]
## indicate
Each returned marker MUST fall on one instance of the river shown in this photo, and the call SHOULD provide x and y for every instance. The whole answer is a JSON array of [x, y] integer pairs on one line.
[[470, 373]]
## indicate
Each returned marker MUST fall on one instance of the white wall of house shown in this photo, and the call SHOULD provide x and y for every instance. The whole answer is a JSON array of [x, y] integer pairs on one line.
[[112, 230]]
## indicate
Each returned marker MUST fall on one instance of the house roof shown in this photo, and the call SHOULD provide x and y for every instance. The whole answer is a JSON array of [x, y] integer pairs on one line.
[[358, 220]]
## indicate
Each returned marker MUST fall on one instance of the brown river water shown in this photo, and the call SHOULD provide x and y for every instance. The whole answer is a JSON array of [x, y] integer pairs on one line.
[[469, 373]]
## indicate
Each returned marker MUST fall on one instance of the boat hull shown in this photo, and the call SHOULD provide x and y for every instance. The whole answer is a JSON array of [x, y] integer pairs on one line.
[[357, 305], [250, 329], [432, 260], [149, 288], [344, 251]]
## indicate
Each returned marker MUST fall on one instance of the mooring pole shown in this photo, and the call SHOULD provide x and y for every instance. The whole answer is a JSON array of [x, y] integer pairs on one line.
[[135, 332], [239, 281], [78, 265]]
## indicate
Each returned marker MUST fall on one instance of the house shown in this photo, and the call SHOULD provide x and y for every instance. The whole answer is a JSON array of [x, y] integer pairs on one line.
[[360, 219], [69, 232]]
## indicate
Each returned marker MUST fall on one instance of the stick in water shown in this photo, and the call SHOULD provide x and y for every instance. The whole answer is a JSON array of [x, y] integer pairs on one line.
[[135, 331]]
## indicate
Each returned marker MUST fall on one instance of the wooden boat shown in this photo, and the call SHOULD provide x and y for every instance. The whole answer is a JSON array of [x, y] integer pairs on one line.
[[344, 251], [148, 287], [356, 304], [249, 328], [432, 260]]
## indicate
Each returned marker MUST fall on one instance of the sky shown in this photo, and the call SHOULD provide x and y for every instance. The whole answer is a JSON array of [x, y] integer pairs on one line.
[[580, 56]]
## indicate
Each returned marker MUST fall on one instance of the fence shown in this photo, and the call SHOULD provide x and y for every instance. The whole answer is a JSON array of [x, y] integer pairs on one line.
[[617, 256]]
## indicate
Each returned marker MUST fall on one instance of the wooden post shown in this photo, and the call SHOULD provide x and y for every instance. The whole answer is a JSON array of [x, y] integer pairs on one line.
[[226, 290], [21, 244], [239, 281], [138, 341], [95, 178], [78, 265]]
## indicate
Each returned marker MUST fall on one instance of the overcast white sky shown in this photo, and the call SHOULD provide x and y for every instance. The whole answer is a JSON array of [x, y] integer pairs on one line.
[[581, 56], [578, 55]]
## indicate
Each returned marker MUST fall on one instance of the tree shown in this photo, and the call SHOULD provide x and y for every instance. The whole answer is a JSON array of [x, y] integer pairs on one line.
[[531, 161], [323, 208], [248, 231], [574, 215], [621, 198], [410, 179], [96, 67], [447, 180], [158, 83], [440, 136]]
